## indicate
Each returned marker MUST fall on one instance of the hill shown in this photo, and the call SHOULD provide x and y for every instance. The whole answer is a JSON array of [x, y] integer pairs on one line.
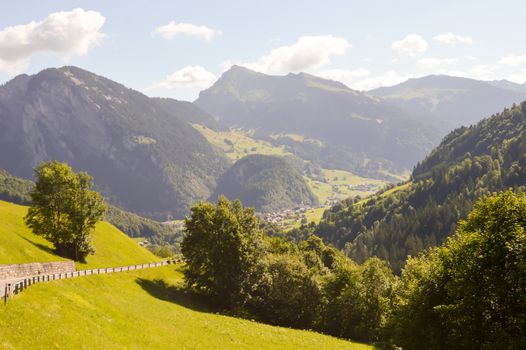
[[451, 100], [267, 183], [142, 153], [137, 310], [347, 129], [19, 245], [144, 309], [16, 190], [469, 163]]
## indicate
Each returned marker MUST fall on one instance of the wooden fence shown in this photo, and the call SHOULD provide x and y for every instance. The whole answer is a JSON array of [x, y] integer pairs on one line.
[[15, 287]]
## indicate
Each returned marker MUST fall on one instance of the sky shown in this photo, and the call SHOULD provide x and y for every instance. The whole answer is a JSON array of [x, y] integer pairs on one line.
[[178, 48]]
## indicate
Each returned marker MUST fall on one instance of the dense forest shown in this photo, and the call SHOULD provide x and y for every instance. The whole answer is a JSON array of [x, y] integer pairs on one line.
[[267, 183], [470, 162]]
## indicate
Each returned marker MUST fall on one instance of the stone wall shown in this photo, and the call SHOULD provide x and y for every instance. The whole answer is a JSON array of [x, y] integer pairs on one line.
[[9, 272]]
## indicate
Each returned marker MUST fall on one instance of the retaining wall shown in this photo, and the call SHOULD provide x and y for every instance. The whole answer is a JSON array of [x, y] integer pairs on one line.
[[9, 272]]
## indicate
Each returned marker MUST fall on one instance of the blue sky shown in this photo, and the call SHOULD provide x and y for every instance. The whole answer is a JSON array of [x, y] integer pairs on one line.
[[176, 48]]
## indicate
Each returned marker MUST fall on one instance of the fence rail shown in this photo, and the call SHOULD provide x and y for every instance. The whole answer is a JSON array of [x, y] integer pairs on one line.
[[12, 288]]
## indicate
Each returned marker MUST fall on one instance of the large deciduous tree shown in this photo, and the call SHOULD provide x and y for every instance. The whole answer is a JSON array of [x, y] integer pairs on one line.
[[64, 209], [221, 247]]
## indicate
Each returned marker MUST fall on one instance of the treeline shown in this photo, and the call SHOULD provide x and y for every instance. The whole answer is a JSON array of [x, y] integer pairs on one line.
[[468, 294], [470, 162]]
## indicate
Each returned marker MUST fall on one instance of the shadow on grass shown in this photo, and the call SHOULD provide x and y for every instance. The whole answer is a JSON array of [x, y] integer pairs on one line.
[[40, 246], [183, 296]]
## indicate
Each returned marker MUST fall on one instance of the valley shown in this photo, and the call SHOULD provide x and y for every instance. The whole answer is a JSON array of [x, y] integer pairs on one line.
[[262, 175]]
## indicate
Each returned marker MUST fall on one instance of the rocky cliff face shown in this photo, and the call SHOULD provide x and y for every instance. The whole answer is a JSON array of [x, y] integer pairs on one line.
[[143, 156]]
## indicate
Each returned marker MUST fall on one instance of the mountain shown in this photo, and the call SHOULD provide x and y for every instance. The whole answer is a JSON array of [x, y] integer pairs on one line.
[[143, 154], [453, 100], [469, 163], [267, 183], [347, 129], [506, 84], [189, 112]]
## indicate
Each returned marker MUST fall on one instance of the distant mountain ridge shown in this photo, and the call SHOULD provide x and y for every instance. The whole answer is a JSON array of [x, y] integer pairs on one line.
[[453, 100], [143, 156], [357, 132]]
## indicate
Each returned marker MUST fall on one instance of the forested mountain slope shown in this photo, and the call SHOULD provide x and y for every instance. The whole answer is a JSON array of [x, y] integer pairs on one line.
[[470, 162], [267, 183], [142, 153]]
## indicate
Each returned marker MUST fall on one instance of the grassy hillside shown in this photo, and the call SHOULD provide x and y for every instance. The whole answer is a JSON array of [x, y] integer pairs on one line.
[[144, 309], [137, 310], [238, 143], [17, 190], [19, 245]]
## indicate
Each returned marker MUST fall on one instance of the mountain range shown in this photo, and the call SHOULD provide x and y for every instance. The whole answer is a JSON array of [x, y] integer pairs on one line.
[[354, 131], [452, 101], [146, 155]]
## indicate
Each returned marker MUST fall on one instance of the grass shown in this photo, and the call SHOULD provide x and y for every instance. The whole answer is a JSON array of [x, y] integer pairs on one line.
[[241, 143], [143, 309], [396, 189], [19, 245], [313, 215], [336, 185], [137, 310]]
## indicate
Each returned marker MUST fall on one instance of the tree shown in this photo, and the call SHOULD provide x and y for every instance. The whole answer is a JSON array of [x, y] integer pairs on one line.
[[287, 293], [64, 209], [358, 300], [470, 293], [221, 247]]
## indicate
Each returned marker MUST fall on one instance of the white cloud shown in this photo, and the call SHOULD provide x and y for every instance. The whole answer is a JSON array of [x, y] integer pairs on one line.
[[513, 60], [67, 33], [453, 39], [172, 29], [188, 77], [484, 72], [430, 63], [307, 53], [519, 78], [347, 77], [411, 45], [390, 78]]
